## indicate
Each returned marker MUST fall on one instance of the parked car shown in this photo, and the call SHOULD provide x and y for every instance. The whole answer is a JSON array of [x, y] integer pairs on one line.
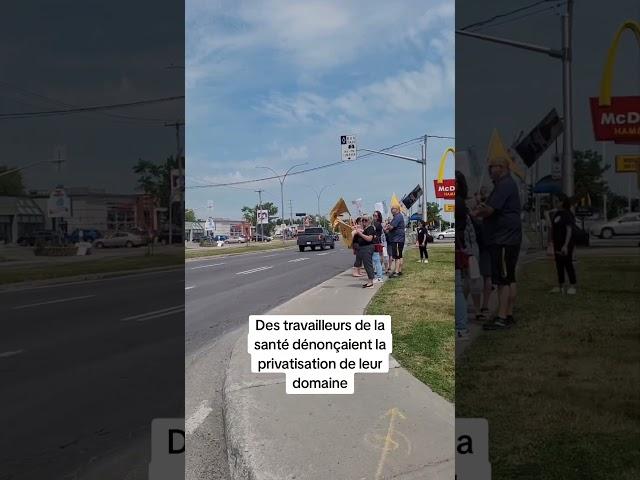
[[88, 235], [315, 237], [448, 233], [120, 239], [239, 239], [256, 237], [628, 224]]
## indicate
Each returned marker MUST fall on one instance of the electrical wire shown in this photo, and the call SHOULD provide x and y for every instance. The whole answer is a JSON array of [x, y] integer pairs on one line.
[[46, 113], [520, 17], [505, 14]]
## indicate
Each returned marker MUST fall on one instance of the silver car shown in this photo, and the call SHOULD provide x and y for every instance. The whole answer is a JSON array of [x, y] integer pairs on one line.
[[448, 233], [120, 239], [628, 224]]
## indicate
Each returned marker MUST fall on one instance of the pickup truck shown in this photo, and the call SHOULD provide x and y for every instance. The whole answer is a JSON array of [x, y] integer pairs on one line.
[[315, 237]]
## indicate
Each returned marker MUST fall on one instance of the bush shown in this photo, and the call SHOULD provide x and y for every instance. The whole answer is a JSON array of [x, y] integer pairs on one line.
[[55, 251]]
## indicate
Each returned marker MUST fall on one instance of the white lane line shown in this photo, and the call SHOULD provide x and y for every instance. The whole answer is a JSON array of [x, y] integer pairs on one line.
[[155, 314], [11, 353], [189, 288], [298, 259], [325, 253], [254, 270], [199, 416], [207, 266], [269, 256], [60, 300]]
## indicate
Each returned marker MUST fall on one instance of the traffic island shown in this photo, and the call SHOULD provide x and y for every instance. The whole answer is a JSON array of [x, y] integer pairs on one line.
[[393, 426]]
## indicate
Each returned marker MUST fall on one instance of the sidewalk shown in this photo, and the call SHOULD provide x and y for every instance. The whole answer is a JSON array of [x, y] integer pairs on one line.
[[393, 426]]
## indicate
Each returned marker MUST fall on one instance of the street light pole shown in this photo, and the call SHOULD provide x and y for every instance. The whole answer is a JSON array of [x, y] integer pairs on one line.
[[565, 54], [281, 179], [318, 194], [424, 180]]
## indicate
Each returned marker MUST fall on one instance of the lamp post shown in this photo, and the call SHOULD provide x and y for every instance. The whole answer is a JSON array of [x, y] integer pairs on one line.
[[281, 179], [318, 194]]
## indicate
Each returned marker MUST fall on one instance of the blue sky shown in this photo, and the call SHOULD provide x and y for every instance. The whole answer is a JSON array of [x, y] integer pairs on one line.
[[276, 82]]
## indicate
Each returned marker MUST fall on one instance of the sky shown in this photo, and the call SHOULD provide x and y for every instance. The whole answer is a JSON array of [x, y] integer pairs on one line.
[[512, 90], [275, 83], [85, 54]]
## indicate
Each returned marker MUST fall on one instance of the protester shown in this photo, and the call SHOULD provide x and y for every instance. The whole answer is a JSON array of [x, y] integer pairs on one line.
[[396, 236], [366, 236], [482, 305], [357, 266], [503, 228], [464, 250], [564, 243], [421, 242], [390, 261], [378, 246]]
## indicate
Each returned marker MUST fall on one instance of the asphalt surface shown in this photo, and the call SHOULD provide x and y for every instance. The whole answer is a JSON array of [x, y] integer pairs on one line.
[[221, 293], [84, 368]]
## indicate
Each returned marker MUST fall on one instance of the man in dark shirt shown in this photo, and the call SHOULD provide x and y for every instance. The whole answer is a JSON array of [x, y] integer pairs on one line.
[[503, 236], [396, 236], [563, 245]]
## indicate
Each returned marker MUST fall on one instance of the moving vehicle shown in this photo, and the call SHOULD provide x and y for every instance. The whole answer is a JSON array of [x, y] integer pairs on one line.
[[88, 235], [314, 237], [256, 237], [448, 233], [628, 224], [120, 239]]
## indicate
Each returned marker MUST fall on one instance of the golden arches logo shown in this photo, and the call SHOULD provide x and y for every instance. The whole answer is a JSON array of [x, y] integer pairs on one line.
[[443, 161], [607, 74]]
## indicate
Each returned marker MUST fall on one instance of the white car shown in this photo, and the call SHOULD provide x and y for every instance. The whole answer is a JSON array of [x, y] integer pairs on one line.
[[448, 233], [239, 239], [628, 224], [120, 239]]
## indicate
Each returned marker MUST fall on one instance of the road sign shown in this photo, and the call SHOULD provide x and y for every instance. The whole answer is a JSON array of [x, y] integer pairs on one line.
[[348, 146], [301, 214], [584, 211], [627, 163], [263, 217], [58, 204], [449, 207], [209, 225], [556, 167]]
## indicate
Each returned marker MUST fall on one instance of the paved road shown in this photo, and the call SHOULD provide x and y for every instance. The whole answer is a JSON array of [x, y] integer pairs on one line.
[[221, 293], [84, 368]]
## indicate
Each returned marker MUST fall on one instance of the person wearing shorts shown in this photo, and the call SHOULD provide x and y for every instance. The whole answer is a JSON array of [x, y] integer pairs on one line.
[[503, 237], [396, 236]]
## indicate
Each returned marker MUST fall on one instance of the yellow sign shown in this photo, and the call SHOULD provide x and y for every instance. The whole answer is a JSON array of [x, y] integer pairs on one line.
[[497, 153], [607, 74], [449, 207], [443, 161], [627, 163]]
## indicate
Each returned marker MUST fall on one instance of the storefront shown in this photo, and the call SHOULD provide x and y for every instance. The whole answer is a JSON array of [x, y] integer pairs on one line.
[[19, 217]]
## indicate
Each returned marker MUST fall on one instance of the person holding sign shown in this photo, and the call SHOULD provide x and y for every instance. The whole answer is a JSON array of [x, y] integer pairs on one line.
[[366, 235], [396, 237]]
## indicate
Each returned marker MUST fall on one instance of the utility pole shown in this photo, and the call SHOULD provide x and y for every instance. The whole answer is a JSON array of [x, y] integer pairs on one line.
[[565, 55], [176, 125], [259, 192], [424, 180], [290, 212]]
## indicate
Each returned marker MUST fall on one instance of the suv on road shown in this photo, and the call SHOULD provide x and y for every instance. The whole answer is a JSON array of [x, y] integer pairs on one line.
[[314, 237]]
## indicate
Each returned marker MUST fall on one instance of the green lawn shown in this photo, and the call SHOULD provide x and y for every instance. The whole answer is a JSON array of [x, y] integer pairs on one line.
[[421, 305], [561, 390], [86, 267], [240, 249]]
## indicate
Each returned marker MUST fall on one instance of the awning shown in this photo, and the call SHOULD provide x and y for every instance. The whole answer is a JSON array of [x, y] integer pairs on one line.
[[547, 185]]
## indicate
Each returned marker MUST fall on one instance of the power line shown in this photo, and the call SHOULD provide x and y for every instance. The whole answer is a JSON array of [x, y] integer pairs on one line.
[[505, 14], [89, 109], [299, 172], [520, 17]]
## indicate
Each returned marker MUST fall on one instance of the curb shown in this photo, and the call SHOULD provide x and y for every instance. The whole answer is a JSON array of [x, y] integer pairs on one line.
[[12, 287], [247, 463]]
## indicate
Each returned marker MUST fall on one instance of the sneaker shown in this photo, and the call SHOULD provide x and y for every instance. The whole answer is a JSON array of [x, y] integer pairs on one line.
[[367, 285], [399, 274], [426, 260], [377, 280], [556, 290], [496, 324], [510, 320], [571, 290]]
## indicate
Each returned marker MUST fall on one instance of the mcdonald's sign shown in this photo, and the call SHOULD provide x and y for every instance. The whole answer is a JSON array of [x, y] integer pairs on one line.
[[445, 188], [616, 119]]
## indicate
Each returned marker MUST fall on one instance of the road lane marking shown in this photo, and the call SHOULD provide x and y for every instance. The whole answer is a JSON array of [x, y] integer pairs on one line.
[[325, 253], [11, 353], [207, 266], [298, 259], [50, 302], [269, 256], [199, 416], [155, 314], [254, 270], [189, 288]]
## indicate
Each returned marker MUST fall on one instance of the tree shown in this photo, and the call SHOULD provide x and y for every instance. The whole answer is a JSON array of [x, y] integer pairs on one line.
[[189, 215], [433, 212], [155, 178], [249, 214], [12, 183], [588, 173]]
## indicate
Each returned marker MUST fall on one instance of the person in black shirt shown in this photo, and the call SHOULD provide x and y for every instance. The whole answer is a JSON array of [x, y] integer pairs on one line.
[[366, 236], [562, 225], [421, 243]]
